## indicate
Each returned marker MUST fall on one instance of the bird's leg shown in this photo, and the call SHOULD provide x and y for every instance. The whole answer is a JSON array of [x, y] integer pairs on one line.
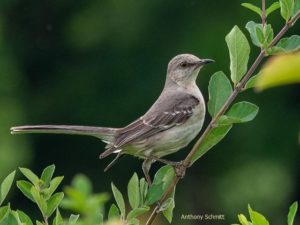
[[165, 161], [146, 168], [179, 167]]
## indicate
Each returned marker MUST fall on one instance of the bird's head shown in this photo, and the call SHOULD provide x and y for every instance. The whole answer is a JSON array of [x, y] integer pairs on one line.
[[183, 69]]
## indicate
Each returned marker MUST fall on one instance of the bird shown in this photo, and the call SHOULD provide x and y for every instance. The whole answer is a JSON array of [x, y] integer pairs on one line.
[[170, 124]]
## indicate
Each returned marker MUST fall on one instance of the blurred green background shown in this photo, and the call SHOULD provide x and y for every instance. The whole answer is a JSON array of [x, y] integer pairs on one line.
[[103, 62]]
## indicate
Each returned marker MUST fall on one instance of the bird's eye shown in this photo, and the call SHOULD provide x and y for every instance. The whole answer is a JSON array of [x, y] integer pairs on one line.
[[183, 64]]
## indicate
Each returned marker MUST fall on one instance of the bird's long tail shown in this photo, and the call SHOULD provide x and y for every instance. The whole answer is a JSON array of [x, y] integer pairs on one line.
[[104, 133]]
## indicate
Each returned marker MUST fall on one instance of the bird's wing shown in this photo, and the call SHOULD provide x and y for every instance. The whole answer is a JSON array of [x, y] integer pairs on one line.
[[175, 112]]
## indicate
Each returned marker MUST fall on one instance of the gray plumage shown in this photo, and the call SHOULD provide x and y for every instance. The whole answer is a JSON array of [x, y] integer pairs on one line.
[[169, 125]]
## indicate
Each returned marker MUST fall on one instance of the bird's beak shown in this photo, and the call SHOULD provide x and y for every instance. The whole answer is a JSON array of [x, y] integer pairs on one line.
[[205, 61]]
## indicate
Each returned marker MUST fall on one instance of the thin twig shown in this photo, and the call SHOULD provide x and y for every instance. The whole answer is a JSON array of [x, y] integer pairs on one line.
[[231, 98], [263, 14]]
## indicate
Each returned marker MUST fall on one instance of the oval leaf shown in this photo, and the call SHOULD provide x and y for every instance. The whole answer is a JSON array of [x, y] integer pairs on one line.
[[73, 219], [161, 182], [239, 51], [219, 90], [252, 29], [58, 220], [242, 112], [137, 212], [168, 213], [257, 218], [30, 176], [213, 138], [243, 220], [292, 213], [272, 8], [54, 202], [47, 175], [119, 199], [4, 212], [143, 190], [286, 9], [53, 186], [113, 212], [252, 8], [25, 187], [24, 218], [134, 191], [279, 70], [286, 45], [251, 82], [6, 185]]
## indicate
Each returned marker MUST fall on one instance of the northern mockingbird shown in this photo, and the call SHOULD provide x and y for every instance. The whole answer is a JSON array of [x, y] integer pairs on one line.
[[170, 124]]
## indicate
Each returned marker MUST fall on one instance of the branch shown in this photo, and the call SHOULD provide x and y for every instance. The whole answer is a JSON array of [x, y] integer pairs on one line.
[[263, 15], [237, 89]]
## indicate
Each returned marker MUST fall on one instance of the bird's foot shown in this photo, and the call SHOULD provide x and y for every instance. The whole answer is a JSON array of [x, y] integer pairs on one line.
[[180, 168]]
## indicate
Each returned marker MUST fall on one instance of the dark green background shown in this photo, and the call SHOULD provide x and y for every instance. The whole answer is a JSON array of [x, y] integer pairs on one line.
[[103, 62]]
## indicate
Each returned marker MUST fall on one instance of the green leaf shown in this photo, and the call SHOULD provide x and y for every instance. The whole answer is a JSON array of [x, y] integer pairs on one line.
[[242, 112], [239, 51], [257, 218], [286, 9], [143, 190], [279, 70], [58, 220], [38, 223], [30, 176], [54, 202], [219, 90], [134, 191], [119, 199], [252, 8], [54, 183], [24, 218], [260, 34], [292, 213], [286, 45], [155, 192], [82, 184], [10, 219], [25, 187], [296, 7], [161, 182], [251, 82], [168, 213], [134, 221], [41, 202], [243, 220], [16, 215], [213, 138], [113, 212], [252, 29], [137, 212], [47, 175], [272, 8], [73, 219], [164, 175], [4, 212], [6, 185], [268, 35], [100, 219]]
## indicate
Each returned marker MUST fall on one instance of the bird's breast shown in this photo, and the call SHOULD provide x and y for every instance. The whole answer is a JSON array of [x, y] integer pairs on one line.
[[179, 136]]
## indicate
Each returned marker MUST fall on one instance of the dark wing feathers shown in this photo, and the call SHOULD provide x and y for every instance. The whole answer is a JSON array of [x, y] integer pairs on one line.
[[172, 114]]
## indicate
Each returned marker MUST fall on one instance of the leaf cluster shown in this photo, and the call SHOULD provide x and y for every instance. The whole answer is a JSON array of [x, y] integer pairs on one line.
[[258, 219], [141, 197]]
